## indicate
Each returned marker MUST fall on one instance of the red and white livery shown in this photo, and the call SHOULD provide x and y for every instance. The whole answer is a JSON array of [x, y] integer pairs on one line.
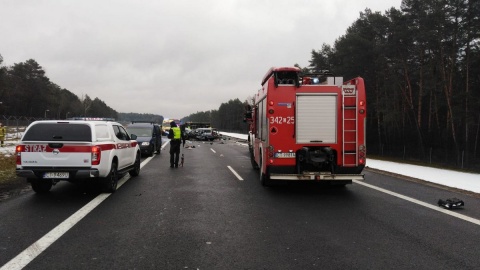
[[54, 150], [308, 127]]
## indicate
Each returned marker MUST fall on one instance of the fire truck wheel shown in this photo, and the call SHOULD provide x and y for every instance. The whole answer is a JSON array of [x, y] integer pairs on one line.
[[263, 176], [252, 160], [41, 186]]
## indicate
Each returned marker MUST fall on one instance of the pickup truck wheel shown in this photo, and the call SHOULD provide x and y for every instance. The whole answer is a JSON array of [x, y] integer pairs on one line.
[[110, 182], [136, 166], [41, 186]]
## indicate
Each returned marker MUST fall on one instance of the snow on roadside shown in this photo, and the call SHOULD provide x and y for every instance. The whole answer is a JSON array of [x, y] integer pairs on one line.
[[9, 148], [460, 180]]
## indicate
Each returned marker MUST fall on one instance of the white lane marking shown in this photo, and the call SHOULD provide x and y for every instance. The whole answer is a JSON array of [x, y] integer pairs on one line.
[[424, 204], [235, 173], [213, 150], [165, 144], [26, 256], [35, 249]]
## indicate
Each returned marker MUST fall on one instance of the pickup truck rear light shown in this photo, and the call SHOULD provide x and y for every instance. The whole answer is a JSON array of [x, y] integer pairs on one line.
[[96, 155], [18, 152]]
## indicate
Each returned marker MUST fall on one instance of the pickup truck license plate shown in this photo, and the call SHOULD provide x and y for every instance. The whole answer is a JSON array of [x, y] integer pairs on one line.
[[54, 175]]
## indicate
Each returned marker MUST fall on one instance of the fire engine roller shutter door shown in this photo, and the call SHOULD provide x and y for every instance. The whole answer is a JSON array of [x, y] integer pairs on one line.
[[316, 119]]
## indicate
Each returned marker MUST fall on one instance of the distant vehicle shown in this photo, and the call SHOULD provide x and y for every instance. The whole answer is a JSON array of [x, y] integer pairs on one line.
[[189, 129], [69, 150], [166, 125], [206, 134], [195, 125], [149, 136], [187, 132]]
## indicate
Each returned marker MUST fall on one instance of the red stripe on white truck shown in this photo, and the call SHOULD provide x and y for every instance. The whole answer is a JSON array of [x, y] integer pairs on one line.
[[95, 151], [63, 149]]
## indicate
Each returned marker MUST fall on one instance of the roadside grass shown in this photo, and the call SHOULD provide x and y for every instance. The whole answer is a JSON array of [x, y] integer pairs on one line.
[[7, 169], [8, 161]]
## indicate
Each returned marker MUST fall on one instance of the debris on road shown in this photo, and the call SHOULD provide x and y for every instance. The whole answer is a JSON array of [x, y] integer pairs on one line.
[[452, 203]]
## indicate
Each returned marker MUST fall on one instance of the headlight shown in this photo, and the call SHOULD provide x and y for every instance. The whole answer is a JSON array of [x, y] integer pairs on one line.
[[145, 143]]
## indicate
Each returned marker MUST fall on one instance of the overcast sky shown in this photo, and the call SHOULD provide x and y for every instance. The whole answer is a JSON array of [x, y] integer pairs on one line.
[[175, 57]]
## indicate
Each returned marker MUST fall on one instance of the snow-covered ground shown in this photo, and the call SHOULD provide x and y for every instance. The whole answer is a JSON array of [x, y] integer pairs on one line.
[[460, 180], [10, 142]]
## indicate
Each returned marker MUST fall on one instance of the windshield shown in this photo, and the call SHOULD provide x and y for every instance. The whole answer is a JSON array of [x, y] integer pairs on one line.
[[140, 131]]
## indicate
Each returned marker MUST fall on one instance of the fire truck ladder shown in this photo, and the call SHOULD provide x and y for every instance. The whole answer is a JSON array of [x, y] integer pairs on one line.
[[350, 133]]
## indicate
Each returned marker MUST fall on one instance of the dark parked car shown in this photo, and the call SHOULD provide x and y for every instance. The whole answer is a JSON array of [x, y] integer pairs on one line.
[[207, 134], [149, 136]]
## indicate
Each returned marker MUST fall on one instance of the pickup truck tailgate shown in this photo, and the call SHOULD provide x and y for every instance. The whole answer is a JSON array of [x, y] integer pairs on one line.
[[55, 155]]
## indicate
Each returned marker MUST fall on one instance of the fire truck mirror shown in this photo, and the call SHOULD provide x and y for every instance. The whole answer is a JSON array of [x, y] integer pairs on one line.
[[247, 116]]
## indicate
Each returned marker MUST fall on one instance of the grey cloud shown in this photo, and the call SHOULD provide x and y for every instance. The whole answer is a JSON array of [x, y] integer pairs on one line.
[[170, 57]]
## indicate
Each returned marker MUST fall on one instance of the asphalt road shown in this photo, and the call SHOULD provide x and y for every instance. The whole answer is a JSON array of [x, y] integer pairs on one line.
[[203, 216]]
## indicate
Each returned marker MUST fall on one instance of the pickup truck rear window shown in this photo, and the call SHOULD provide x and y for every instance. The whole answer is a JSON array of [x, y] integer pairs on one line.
[[58, 132]]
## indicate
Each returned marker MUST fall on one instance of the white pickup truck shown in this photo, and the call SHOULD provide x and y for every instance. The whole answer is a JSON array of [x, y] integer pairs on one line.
[[72, 150]]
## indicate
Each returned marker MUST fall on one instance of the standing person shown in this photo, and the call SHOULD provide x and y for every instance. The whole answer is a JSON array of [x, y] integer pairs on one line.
[[182, 128], [175, 136], [3, 134]]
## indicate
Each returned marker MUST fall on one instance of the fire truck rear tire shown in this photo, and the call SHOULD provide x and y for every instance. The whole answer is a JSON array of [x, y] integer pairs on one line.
[[252, 160], [264, 178]]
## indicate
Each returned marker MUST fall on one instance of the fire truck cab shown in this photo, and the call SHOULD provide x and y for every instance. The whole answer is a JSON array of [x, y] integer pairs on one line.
[[308, 127]]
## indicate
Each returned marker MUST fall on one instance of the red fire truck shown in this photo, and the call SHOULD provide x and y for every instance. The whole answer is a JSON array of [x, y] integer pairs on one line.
[[308, 127]]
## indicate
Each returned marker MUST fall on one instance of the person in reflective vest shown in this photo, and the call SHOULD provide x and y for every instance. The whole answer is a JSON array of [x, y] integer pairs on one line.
[[3, 134], [175, 136]]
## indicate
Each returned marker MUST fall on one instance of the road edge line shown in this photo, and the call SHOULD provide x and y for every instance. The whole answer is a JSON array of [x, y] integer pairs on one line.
[[424, 204], [35, 249]]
